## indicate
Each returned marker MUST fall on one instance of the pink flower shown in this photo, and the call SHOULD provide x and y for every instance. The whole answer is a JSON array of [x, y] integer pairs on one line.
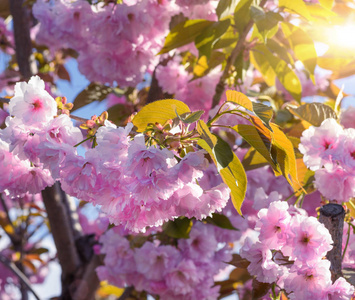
[[274, 225], [334, 183], [340, 290], [309, 281], [32, 103], [309, 241], [347, 117], [319, 145], [261, 264]]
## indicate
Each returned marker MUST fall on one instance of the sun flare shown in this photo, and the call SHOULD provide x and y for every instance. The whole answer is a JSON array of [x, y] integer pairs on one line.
[[342, 36]]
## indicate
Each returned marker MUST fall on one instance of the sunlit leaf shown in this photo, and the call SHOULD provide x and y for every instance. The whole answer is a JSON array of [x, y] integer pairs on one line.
[[320, 12], [225, 8], [189, 118], [93, 92], [314, 113], [328, 4], [184, 33], [251, 135], [204, 65], [179, 228], [302, 45], [265, 21], [158, 112], [240, 99], [264, 112], [280, 50], [241, 14], [106, 289], [229, 38], [297, 6], [286, 76], [253, 160], [285, 157], [209, 36], [257, 58], [228, 164]]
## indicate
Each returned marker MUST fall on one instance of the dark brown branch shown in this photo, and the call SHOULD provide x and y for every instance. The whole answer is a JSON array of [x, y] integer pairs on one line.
[[62, 233], [332, 216], [23, 45], [23, 279], [231, 60], [89, 282]]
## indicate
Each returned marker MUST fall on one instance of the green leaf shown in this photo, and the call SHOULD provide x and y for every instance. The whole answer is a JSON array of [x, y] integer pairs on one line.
[[297, 6], [229, 38], [221, 221], [253, 160], [189, 118], [93, 92], [240, 99], [280, 50], [204, 42], [264, 112], [204, 65], [302, 45], [285, 75], [159, 112], [228, 164], [285, 157], [265, 22], [184, 33], [241, 14], [225, 8], [179, 228], [257, 58], [314, 113], [252, 137]]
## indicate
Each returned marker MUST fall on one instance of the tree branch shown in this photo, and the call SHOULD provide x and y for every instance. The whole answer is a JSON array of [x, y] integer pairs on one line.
[[10, 265], [231, 60], [21, 21], [62, 233], [332, 216]]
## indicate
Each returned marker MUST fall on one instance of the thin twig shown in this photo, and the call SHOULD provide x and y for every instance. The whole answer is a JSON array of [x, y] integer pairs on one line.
[[79, 119], [231, 60], [10, 265]]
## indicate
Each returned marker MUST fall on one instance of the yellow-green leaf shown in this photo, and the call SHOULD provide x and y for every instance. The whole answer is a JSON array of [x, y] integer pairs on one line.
[[302, 45], [257, 58], [209, 36], [328, 4], [159, 112], [286, 76], [297, 6], [204, 65], [184, 33], [314, 113], [251, 135], [240, 99], [285, 157], [228, 164]]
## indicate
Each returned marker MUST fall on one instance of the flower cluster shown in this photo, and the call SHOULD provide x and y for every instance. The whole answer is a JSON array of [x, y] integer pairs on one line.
[[184, 271], [135, 185], [329, 150], [290, 251]]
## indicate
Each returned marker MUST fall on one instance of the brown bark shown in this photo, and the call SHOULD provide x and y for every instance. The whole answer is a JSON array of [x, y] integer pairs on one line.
[[332, 216]]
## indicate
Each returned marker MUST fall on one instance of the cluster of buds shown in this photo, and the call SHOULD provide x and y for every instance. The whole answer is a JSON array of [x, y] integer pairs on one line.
[[63, 106], [94, 123], [174, 134]]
